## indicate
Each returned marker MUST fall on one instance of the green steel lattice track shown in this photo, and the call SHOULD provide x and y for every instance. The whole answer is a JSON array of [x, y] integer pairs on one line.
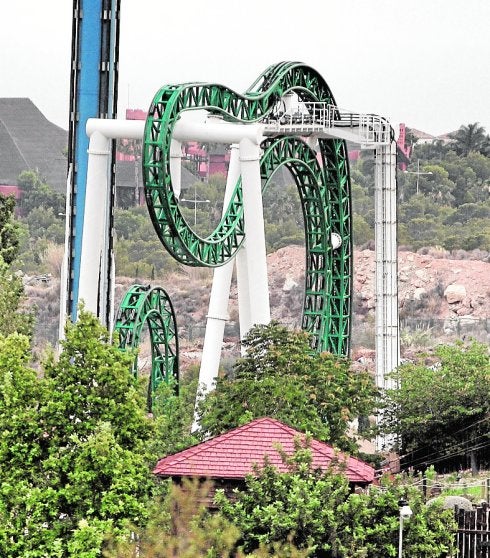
[[323, 185], [324, 190], [151, 307]]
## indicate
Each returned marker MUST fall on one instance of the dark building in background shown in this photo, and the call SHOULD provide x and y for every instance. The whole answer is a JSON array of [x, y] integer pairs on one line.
[[29, 141]]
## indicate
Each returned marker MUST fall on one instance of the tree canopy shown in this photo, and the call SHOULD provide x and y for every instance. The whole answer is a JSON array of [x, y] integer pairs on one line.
[[441, 177], [472, 139], [442, 411], [9, 230], [74, 456], [316, 511], [280, 377]]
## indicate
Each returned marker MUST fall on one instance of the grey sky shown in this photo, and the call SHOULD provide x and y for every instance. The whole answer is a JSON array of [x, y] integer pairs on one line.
[[422, 62]]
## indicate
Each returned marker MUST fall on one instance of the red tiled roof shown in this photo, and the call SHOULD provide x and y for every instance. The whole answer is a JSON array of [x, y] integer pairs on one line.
[[233, 454]]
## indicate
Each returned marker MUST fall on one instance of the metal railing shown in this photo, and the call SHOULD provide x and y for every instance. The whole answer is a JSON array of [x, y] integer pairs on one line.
[[368, 129]]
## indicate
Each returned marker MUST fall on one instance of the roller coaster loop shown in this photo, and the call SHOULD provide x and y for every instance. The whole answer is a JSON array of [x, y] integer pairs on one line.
[[144, 305], [323, 186]]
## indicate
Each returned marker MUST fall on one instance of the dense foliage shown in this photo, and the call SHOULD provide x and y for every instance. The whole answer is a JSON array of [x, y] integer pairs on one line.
[[182, 526], [42, 215], [443, 198], [316, 511], [9, 230], [74, 451], [281, 377], [13, 316], [441, 412]]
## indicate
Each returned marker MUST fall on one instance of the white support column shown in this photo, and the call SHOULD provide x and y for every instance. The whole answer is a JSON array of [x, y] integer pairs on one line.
[[175, 166], [243, 288], [386, 317], [220, 295], [64, 264], [254, 233], [92, 288]]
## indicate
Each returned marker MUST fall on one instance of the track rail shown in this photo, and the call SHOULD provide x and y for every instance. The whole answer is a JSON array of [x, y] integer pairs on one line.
[[323, 187], [151, 307]]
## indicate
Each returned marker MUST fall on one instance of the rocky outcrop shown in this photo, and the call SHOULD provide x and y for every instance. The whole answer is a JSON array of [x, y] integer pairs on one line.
[[428, 285], [455, 293]]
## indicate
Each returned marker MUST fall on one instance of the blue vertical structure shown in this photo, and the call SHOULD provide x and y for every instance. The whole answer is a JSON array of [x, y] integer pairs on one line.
[[93, 94]]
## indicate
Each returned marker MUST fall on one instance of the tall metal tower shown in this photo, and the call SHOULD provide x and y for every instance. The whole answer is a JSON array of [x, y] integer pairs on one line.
[[93, 94]]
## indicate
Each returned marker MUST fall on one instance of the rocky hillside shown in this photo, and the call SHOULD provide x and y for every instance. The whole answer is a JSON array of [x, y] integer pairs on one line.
[[440, 297], [430, 286]]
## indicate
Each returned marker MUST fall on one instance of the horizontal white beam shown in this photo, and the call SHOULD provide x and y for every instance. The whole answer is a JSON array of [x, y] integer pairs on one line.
[[205, 129]]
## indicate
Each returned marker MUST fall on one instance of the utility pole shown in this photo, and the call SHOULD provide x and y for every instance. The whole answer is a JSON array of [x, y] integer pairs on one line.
[[418, 173], [195, 201]]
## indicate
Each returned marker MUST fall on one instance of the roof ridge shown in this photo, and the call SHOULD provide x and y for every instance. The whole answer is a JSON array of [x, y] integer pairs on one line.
[[252, 441], [202, 446], [14, 141]]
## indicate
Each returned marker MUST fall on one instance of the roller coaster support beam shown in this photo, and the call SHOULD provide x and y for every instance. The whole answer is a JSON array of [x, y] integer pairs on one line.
[[95, 288], [219, 298], [386, 316], [93, 285], [254, 235]]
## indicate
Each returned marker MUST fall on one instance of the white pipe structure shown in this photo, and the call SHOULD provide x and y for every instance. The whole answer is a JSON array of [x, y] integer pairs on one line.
[[254, 234], [386, 277], [175, 165], [254, 308], [243, 292], [93, 289], [93, 260], [219, 298]]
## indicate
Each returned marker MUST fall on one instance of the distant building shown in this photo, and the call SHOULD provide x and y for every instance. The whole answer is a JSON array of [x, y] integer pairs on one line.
[[403, 150], [423, 137], [10, 190], [28, 141]]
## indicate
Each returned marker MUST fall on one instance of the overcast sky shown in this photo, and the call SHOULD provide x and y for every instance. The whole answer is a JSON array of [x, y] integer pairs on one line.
[[422, 62]]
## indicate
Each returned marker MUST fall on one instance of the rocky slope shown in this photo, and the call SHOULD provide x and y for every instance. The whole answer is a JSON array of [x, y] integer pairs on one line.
[[429, 286], [443, 296]]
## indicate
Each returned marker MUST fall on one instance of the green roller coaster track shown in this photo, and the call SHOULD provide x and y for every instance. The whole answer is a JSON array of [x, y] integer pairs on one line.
[[323, 186], [143, 305], [324, 190]]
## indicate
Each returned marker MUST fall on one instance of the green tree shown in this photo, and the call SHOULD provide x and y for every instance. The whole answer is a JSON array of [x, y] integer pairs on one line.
[[43, 223], [298, 506], [471, 138], [9, 230], [480, 164], [442, 410], [282, 378], [75, 463], [138, 249], [36, 193], [369, 522], [15, 317], [180, 525], [174, 417], [317, 512]]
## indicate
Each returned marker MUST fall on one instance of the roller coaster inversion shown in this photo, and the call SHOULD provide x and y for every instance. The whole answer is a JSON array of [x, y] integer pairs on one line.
[[287, 117]]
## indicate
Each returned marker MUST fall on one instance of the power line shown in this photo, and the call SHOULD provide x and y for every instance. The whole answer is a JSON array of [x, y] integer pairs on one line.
[[472, 425], [461, 451]]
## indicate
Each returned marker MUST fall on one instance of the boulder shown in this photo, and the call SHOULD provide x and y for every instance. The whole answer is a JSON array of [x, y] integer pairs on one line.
[[451, 502], [455, 293], [289, 284], [419, 293]]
